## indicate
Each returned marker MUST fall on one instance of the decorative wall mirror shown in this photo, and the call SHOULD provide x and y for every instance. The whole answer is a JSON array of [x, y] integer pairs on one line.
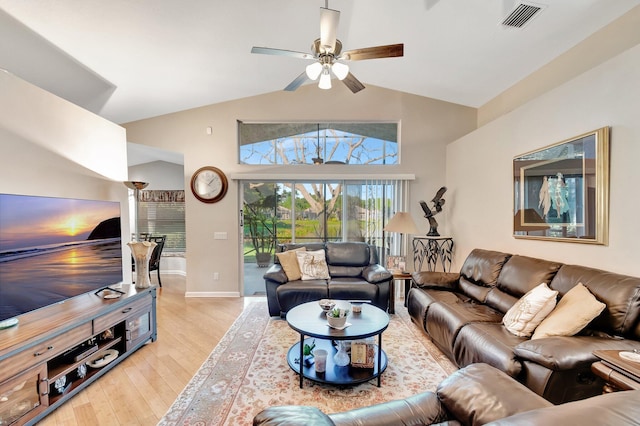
[[561, 192]]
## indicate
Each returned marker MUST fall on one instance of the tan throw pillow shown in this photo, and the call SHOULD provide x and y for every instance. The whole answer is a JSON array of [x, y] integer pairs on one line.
[[529, 311], [313, 265], [289, 263], [575, 310]]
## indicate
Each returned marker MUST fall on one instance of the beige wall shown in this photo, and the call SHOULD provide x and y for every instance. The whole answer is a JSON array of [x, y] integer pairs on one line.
[[161, 175], [427, 126], [35, 126], [479, 173], [63, 128]]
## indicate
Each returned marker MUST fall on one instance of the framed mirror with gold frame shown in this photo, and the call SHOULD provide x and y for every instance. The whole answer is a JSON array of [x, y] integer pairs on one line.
[[561, 192]]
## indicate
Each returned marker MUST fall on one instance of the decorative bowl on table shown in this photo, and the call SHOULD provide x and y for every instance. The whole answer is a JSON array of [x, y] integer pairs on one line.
[[103, 358], [326, 304]]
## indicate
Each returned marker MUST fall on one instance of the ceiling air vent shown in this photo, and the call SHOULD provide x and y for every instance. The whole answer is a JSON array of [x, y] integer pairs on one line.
[[521, 15]]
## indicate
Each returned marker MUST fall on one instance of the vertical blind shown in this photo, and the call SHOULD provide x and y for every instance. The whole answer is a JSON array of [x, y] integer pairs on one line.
[[386, 197]]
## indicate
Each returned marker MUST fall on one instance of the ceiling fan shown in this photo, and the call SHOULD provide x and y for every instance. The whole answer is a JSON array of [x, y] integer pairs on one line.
[[328, 56]]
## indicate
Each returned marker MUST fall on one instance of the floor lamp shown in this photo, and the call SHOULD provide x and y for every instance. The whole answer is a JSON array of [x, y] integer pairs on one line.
[[136, 186], [402, 223]]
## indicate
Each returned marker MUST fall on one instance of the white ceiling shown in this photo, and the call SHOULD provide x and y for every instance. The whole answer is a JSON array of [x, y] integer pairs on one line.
[[133, 59]]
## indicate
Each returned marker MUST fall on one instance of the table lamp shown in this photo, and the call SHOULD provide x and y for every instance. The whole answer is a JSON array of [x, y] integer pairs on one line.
[[402, 223]]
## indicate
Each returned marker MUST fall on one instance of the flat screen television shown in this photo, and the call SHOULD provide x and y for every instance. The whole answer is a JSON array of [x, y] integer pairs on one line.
[[52, 249]]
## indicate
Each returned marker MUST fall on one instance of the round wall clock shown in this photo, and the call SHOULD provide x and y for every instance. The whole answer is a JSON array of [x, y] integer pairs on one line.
[[209, 184]]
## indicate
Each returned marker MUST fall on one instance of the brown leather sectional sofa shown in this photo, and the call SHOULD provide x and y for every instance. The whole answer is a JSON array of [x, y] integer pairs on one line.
[[476, 395], [462, 313], [354, 271]]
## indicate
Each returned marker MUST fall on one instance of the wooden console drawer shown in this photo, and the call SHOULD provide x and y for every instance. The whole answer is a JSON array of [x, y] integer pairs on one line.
[[45, 351], [119, 315]]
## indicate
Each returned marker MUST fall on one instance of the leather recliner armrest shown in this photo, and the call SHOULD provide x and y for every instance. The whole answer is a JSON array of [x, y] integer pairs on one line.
[[291, 415], [617, 408], [420, 409], [276, 273], [423, 408], [433, 279], [376, 274], [561, 353], [479, 393]]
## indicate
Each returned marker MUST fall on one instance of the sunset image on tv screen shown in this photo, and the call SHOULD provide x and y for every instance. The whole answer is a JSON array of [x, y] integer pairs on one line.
[[55, 248]]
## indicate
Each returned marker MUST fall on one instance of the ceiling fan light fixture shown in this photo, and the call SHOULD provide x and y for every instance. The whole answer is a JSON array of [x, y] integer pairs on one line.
[[327, 51], [340, 70], [313, 70], [325, 80]]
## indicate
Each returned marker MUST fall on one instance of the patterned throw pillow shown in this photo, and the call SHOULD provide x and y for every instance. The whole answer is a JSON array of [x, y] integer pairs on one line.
[[289, 263], [313, 265], [528, 312]]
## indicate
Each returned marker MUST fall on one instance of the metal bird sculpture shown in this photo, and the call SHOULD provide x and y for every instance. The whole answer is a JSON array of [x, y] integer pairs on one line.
[[429, 212]]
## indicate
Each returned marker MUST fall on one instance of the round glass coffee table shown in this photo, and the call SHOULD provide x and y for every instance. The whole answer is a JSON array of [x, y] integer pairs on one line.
[[310, 321]]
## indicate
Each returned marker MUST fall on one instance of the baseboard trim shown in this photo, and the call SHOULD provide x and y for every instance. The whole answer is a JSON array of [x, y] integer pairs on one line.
[[173, 272], [212, 294]]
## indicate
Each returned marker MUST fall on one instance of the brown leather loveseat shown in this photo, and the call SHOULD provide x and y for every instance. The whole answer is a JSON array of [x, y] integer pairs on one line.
[[463, 313], [476, 395], [354, 275]]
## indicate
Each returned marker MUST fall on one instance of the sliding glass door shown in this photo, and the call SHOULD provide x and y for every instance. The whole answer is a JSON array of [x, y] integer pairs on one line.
[[313, 211]]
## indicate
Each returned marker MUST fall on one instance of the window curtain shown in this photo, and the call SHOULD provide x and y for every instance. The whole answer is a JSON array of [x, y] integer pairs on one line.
[[370, 205], [161, 212], [387, 196]]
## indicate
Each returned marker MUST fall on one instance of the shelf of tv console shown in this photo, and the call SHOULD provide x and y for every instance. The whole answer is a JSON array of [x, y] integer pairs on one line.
[[91, 375], [60, 368], [45, 336]]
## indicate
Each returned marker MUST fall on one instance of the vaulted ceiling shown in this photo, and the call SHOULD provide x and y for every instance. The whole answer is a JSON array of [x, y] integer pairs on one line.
[[132, 59]]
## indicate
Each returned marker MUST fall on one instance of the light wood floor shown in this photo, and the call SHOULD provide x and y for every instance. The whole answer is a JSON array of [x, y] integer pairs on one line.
[[141, 389]]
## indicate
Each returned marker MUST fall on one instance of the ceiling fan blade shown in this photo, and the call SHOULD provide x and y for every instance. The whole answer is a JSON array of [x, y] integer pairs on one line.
[[297, 82], [329, 19], [281, 52], [388, 51], [353, 83]]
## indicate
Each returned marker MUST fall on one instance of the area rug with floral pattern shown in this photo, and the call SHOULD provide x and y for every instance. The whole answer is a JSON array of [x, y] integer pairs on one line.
[[248, 371]]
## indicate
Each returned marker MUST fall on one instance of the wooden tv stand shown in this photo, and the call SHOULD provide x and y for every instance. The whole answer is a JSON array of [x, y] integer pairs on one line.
[[43, 360]]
